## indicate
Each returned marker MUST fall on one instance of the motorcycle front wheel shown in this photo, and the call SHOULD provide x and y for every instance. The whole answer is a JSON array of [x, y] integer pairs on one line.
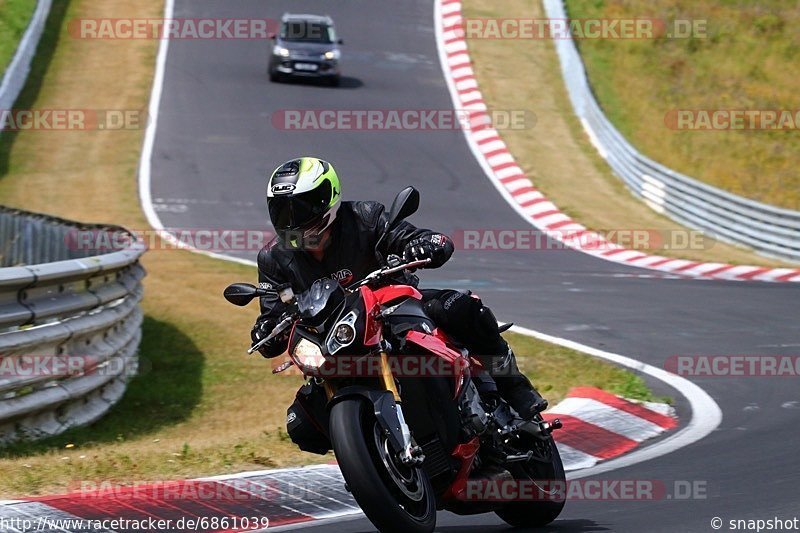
[[394, 496]]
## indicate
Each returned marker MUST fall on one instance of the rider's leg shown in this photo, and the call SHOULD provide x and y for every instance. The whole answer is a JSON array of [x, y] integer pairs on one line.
[[466, 318], [513, 385]]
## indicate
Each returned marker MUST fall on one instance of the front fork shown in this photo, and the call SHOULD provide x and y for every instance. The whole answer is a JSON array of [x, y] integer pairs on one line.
[[409, 453]]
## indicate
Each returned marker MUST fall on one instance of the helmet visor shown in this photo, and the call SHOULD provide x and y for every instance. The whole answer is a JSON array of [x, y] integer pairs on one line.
[[298, 211]]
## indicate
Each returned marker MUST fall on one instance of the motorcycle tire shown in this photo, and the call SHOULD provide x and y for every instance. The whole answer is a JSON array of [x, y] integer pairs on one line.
[[390, 503], [546, 507]]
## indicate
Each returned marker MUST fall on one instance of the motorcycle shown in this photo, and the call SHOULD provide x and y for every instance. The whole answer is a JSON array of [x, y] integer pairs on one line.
[[408, 446]]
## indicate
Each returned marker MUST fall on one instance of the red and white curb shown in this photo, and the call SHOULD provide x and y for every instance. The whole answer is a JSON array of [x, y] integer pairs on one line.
[[500, 166], [597, 426], [251, 501]]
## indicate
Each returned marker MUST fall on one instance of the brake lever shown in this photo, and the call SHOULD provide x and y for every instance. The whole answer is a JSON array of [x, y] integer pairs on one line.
[[277, 330]]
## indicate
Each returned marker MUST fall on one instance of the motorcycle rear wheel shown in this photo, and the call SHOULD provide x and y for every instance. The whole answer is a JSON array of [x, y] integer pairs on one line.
[[395, 498], [550, 499]]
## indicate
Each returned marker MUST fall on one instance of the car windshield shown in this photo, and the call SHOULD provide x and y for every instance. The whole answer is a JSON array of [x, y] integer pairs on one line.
[[307, 32]]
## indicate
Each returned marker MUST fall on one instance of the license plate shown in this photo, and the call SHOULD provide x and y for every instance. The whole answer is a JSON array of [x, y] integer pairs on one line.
[[305, 66]]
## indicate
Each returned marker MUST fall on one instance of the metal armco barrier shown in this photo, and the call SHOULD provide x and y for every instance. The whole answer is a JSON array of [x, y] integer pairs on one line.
[[770, 230], [70, 322]]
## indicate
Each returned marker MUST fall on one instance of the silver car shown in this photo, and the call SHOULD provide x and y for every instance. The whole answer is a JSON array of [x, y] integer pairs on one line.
[[305, 46]]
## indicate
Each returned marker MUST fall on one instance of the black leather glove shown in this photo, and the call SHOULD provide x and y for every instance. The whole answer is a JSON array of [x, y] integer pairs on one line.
[[437, 248], [262, 328]]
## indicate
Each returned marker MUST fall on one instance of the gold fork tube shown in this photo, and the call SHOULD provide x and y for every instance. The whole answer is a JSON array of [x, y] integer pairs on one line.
[[388, 377], [329, 390]]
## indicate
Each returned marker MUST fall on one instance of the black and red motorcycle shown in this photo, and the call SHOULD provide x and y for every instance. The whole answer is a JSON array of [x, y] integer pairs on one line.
[[408, 442]]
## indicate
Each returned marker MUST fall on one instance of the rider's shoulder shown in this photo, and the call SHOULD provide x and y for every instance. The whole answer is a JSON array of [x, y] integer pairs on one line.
[[267, 256], [368, 212], [264, 256]]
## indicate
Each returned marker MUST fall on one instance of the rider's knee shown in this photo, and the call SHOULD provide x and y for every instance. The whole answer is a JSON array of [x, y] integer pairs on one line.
[[464, 316]]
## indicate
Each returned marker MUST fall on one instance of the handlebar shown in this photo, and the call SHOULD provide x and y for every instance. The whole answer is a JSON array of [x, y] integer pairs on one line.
[[289, 318], [407, 266], [385, 271]]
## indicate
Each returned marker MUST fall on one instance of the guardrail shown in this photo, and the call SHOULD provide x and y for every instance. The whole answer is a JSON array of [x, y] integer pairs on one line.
[[13, 79], [769, 230], [70, 322]]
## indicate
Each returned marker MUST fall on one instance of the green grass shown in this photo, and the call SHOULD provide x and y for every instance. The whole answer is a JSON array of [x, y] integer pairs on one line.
[[166, 426], [746, 60], [14, 17], [554, 370]]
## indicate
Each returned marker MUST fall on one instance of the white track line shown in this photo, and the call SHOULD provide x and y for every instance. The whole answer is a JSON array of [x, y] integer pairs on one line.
[[331, 520], [295, 469], [145, 161]]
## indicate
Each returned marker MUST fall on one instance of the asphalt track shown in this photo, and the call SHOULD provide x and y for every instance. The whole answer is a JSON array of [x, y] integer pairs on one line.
[[215, 142]]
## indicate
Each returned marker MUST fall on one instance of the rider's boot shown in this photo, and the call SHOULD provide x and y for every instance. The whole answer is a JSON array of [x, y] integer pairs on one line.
[[512, 384]]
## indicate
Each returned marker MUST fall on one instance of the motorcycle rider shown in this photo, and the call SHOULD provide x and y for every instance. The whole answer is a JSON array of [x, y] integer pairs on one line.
[[320, 236]]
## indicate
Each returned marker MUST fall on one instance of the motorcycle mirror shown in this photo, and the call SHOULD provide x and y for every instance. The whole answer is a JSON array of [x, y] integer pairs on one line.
[[405, 204], [240, 294]]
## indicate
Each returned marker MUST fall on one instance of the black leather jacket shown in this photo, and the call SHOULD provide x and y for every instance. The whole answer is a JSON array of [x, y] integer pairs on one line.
[[349, 256]]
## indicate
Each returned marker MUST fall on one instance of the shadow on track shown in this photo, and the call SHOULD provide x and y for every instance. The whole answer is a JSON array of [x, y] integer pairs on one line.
[[559, 526], [345, 82]]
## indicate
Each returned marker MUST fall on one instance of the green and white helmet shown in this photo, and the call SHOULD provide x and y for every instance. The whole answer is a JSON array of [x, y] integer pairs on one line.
[[303, 196]]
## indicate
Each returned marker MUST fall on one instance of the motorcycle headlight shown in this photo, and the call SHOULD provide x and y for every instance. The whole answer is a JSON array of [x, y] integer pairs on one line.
[[280, 51], [308, 354], [343, 333], [332, 54]]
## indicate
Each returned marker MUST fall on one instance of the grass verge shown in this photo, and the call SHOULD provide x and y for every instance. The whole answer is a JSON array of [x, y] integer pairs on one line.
[[556, 154], [200, 406], [14, 17], [743, 60]]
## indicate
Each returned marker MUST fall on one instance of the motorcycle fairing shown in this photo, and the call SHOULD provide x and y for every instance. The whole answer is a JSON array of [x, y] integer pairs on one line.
[[465, 453], [319, 300], [372, 306], [389, 293], [434, 344]]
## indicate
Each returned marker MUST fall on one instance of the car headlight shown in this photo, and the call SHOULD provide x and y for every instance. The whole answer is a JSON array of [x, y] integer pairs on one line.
[[332, 54], [343, 333], [280, 51], [308, 354]]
